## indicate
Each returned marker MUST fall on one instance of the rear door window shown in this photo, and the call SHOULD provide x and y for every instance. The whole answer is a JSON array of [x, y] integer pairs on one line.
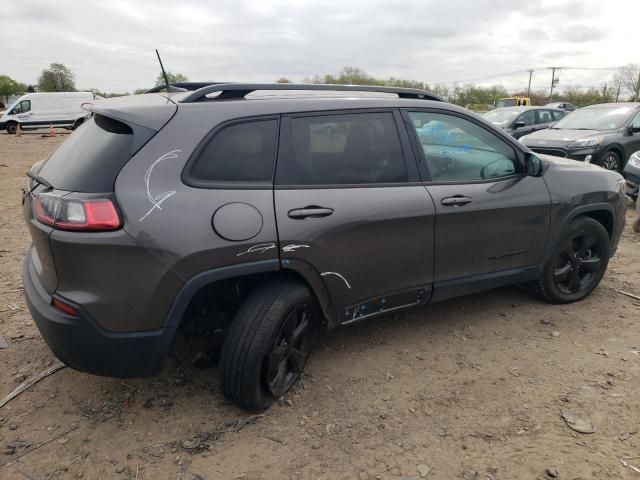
[[242, 153], [344, 149], [544, 116], [557, 115]]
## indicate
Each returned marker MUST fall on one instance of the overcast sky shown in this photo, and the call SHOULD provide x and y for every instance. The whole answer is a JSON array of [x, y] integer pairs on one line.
[[109, 44]]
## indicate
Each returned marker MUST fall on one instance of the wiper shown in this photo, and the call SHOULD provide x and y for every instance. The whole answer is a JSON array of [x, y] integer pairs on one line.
[[39, 179]]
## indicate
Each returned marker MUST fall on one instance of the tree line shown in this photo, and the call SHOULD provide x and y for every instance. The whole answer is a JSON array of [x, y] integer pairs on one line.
[[625, 86]]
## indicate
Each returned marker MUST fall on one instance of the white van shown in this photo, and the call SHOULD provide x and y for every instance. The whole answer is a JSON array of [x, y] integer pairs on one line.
[[39, 110]]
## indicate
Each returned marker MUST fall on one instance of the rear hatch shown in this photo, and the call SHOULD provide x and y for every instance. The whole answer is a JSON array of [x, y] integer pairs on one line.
[[73, 189]]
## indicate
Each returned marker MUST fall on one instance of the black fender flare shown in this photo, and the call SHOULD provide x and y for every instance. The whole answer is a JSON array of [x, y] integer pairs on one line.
[[195, 283], [314, 281], [555, 233]]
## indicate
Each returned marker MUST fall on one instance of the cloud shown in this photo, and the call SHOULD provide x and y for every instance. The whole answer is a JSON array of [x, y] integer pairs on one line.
[[581, 33], [110, 45]]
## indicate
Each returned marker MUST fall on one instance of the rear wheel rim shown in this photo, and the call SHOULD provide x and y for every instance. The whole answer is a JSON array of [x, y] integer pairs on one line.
[[610, 162], [289, 351], [578, 265]]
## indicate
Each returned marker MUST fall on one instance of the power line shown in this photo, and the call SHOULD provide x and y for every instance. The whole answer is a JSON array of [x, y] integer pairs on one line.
[[526, 70]]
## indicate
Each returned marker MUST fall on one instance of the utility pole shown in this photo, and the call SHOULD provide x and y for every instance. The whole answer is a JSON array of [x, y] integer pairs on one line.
[[618, 93], [554, 81], [529, 87], [637, 95], [604, 90]]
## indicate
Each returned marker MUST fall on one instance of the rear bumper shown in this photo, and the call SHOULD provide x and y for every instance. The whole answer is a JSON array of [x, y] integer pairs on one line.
[[81, 344]]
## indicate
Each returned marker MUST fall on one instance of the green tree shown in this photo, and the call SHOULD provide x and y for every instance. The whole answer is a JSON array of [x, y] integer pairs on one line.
[[57, 78], [172, 77], [8, 87]]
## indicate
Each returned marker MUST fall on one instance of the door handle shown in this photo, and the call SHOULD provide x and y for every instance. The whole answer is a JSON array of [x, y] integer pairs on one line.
[[455, 201], [309, 212]]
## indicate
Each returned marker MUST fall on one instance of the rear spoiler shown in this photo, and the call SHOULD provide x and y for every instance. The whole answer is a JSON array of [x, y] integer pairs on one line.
[[148, 111]]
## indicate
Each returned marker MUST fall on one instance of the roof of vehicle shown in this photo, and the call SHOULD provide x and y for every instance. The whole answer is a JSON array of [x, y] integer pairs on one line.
[[238, 91], [151, 110], [522, 108], [614, 105]]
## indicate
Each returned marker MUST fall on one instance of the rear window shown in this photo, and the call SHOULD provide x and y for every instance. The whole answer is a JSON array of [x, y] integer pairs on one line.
[[91, 158]]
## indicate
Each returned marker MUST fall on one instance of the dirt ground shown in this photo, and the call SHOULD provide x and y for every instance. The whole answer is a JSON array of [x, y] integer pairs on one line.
[[471, 388]]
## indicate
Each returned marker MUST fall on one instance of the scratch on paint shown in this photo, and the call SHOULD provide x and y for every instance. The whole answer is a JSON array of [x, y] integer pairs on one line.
[[260, 248], [157, 200], [293, 247], [324, 274]]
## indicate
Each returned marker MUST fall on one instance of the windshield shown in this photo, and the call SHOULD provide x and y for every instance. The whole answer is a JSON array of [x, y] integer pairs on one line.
[[600, 118], [501, 116], [506, 102]]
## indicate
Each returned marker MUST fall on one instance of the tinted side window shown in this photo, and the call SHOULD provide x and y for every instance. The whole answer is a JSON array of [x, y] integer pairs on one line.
[[636, 121], [360, 148], [544, 116], [557, 115], [458, 150], [242, 153]]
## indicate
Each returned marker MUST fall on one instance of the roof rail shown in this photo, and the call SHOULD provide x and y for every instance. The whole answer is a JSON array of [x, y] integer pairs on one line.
[[184, 86], [235, 91]]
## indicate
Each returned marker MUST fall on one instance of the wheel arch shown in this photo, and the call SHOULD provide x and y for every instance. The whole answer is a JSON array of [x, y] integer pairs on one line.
[[256, 272], [603, 213], [617, 149]]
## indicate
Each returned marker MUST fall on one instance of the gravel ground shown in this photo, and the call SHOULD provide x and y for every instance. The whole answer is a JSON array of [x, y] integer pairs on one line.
[[471, 388]]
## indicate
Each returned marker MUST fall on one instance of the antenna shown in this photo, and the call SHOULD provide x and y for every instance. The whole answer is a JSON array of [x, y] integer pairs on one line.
[[164, 74], [166, 79]]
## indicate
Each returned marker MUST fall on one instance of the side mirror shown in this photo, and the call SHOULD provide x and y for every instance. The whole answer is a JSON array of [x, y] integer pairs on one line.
[[533, 165], [633, 129], [519, 124]]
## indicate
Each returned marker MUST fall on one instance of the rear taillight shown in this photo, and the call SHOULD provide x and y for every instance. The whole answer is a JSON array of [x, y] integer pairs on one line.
[[72, 213], [64, 307]]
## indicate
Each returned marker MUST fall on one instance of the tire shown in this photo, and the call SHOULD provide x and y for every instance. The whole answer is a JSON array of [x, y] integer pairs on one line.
[[611, 161], [267, 344], [11, 128], [577, 264]]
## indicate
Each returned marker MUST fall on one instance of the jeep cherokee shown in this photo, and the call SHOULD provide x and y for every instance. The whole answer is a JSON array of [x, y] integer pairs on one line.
[[285, 212]]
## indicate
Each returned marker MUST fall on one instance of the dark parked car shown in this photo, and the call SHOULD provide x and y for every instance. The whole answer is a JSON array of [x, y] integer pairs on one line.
[[605, 135], [519, 121], [632, 175], [247, 211], [569, 107]]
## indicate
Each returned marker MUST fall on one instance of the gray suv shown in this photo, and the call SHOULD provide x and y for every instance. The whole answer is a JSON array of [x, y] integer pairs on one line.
[[279, 213]]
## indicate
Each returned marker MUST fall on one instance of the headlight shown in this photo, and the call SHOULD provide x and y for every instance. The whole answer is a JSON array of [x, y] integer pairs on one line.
[[585, 142], [635, 160]]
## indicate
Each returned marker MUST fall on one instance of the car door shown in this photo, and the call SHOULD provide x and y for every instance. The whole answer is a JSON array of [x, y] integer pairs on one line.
[[527, 122], [492, 219], [632, 138], [350, 206], [23, 112]]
